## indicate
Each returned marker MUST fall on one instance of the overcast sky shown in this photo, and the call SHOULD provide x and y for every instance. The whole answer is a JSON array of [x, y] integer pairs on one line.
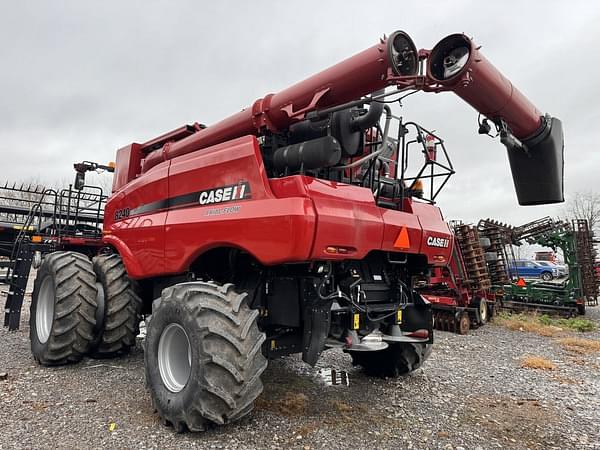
[[80, 79]]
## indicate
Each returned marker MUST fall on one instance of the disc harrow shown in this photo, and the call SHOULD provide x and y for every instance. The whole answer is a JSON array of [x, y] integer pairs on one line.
[[458, 320], [473, 256], [498, 235], [586, 256]]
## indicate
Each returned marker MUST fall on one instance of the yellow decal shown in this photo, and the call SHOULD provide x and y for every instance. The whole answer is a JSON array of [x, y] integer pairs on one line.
[[356, 322]]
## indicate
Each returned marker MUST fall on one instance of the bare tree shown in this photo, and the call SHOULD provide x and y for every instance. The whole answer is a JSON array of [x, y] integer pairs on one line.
[[585, 205]]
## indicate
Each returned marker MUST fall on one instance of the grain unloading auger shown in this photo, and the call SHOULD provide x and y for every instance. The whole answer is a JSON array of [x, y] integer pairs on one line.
[[534, 141], [292, 226]]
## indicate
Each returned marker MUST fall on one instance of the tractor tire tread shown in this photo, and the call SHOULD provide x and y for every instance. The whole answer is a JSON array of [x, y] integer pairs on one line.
[[123, 307], [396, 360], [74, 308], [230, 363]]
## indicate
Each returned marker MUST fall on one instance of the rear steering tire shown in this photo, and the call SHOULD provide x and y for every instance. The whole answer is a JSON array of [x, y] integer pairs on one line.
[[120, 311], [63, 309], [398, 359], [203, 355]]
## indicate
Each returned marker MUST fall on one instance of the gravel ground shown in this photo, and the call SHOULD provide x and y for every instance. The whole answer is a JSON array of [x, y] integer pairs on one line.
[[472, 394]]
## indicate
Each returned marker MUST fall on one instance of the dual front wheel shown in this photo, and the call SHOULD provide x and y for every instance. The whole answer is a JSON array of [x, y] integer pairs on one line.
[[80, 307], [63, 309]]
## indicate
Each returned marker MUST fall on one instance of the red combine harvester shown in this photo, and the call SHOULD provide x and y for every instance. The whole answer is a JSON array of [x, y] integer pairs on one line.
[[290, 227], [460, 293]]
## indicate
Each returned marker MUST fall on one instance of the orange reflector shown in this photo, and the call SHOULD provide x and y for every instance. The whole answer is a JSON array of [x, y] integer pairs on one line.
[[331, 249], [402, 241], [111, 164], [521, 282], [36, 239]]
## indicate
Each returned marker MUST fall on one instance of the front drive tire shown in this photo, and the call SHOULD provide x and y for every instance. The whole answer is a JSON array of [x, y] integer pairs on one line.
[[203, 356], [398, 359], [63, 308], [120, 311]]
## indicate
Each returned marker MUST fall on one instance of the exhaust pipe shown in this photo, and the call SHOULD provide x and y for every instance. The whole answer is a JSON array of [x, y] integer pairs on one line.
[[535, 142]]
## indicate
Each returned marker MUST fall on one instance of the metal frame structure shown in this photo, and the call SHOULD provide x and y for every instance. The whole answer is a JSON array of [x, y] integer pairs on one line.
[[576, 242], [38, 221]]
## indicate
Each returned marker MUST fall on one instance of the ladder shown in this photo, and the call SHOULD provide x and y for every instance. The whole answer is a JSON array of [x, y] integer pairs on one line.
[[19, 264]]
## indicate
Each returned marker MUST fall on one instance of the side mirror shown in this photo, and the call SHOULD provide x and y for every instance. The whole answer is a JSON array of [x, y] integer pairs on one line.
[[79, 180]]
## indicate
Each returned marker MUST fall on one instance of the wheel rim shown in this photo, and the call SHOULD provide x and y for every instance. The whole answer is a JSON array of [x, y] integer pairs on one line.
[[174, 357], [483, 310], [463, 325], [44, 311]]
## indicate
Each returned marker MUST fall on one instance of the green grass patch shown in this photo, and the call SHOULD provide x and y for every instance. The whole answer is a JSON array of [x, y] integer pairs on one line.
[[573, 323], [544, 324]]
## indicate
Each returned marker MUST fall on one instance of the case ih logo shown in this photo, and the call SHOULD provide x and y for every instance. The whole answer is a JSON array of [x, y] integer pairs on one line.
[[438, 242], [240, 191]]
